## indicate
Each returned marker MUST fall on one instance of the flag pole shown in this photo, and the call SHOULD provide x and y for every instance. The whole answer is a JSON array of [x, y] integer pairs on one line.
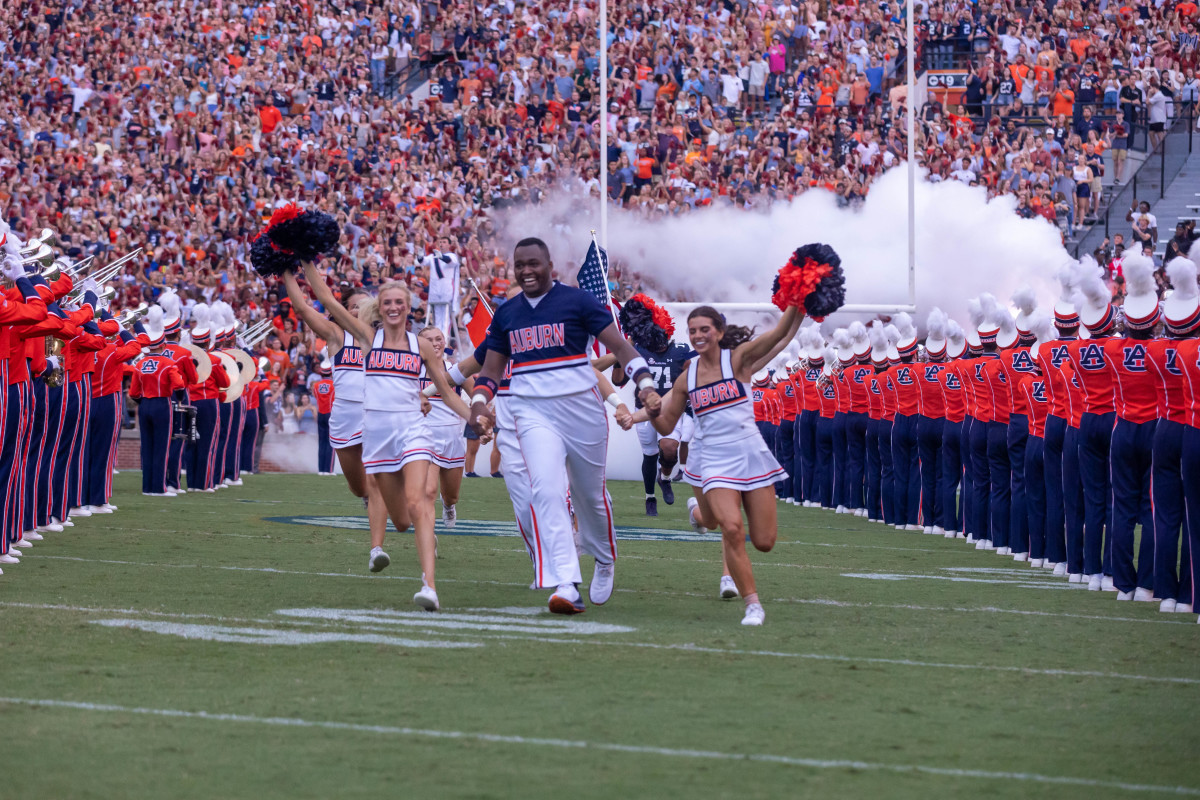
[[603, 125], [602, 255], [482, 299]]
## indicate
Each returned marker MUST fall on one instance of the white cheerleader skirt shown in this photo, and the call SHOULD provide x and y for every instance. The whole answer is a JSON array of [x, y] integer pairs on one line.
[[691, 469], [345, 423], [742, 465], [392, 439], [449, 445]]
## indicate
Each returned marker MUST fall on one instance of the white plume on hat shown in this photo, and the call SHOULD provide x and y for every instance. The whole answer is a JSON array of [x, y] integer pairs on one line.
[[1093, 298], [975, 312], [154, 322], [879, 342], [1025, 299], [860, 338], [893, 336], [956, 339], [830, 354], [1182, 303], [12, 242], [904, 324], [1042, 327], [935, 324]]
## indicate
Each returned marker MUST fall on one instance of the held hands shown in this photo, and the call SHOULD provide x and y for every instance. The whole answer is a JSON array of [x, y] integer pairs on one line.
[[652, 402], [482, 419], [624, 417], [426, 406]]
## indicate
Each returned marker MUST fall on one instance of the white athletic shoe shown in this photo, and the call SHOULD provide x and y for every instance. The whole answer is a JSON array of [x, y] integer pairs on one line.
[[1037, 562], [81, 512], [1075, 577], [939, 530], [32, 536], [950, 534], [843, 510], [692, 505], [1020, 556], [1183, 608], [110, 507], [1141, 595], [50, 527], [1003, 551], [1167, 606], [728, 588], [912, 527], [1095, 582], [209, 490], [67, 523], [238, 482], [1106, 584], [1124, 595], [755, 615], [971, 538], [1060, 568], [379, 560], [928, 530], [144, 494], [227, 482], [427, 598], [9, 558], [449, 515], [104, 509], [601, 587], [566, 600]]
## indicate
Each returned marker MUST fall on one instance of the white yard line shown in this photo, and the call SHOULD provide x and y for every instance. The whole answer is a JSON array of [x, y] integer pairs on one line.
[[634, 749]]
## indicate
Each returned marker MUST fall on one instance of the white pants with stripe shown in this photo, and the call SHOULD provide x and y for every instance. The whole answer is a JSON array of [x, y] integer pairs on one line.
[[516, 475], [564, 443]]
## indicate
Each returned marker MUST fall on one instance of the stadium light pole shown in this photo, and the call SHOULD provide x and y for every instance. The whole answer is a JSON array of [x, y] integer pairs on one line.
[[604, 123], [910, 103]]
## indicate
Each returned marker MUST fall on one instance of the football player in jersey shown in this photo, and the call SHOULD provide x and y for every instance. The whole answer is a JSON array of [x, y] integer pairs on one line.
[[649, 328]]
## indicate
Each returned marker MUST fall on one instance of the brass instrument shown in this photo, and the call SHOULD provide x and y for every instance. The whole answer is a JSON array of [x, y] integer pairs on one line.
[[104, 275], [54, 349], [47, 238], [133, 315], [253, 334]]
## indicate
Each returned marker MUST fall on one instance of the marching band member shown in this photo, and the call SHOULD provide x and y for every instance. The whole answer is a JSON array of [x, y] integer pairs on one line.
[[844, 355], [955, 489], [255, 422], [182, 358], [1173, 583], [1183, 319], [931, 422], [1004, 377], [856, 375], [205, 396], [995, 383], [905, 462], [877, 360], [323, 393], [155, 378], [105, 430], [1034, 402], [981, 401], [813, 358]]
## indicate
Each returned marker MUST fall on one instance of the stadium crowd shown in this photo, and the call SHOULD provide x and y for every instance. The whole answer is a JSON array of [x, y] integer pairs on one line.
[[180, 127]]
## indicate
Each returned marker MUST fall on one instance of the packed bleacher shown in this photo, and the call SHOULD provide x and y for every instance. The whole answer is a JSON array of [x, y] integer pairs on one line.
[[179, 128]]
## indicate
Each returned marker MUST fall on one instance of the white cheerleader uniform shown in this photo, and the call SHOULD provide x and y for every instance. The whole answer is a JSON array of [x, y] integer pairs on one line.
[[449, 443], [734, 454], [395, 432], [346, 416]]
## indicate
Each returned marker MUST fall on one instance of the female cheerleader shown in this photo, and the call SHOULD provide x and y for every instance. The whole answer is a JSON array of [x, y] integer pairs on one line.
[[735, 467], [449, 442], [346, 416], [396, 437]]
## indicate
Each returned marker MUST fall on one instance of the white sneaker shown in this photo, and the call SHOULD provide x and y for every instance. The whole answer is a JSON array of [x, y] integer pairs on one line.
[[1183, 608], [449, 515], [940, 531], [1075, 577], [1037, 562], [105, 509], [950, 534], [1060, 568], [601, 587], [1095, 582], [379, 560], [1141, 595], [238, 482], [566, 600], [9, 558], [427, 598], [842, 510], [692, 505], [728, 588], [1020, 556], [1124, 595], [109, 507], [81, 512], [66, 523], [928, 530], [912, 527], [1106, 584], [227, 482], [1167, 606], [50, 527], [22, 543], [32, 536], [1003, 551], [755, 615]]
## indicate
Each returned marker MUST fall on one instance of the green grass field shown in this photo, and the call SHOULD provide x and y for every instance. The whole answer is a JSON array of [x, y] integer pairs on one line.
[[222, 646]]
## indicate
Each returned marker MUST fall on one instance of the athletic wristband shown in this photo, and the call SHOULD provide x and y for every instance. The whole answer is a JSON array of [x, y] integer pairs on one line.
[[429, 391], [635, 367], [479, 397], [645, 382], [456, 375], [486, 387], [613, 400]]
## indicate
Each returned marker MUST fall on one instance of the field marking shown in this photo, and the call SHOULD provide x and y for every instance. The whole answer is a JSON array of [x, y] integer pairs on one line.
[[1168, 620], [634, 749], [270, 636], [1030, 582]]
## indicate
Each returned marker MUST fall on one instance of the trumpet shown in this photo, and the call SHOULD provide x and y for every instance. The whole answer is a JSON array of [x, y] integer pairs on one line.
[[263, 364], [255, 333], [47, 238], [105, 273], [57, 376], [133, 315], [76, 269], [41, 255]]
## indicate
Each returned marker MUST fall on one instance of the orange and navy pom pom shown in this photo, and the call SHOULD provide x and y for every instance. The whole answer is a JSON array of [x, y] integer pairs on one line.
[[292, 236], [812, 280], [646, 323]]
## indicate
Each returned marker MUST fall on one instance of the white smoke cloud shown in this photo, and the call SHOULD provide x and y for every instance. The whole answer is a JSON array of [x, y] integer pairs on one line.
[[964, 245]]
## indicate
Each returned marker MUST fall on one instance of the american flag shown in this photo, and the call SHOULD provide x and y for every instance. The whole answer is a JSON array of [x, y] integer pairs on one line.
[[593, 279]]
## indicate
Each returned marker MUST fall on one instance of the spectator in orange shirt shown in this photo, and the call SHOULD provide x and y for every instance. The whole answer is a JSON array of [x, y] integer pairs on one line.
[[270, 117], [1063, 101]]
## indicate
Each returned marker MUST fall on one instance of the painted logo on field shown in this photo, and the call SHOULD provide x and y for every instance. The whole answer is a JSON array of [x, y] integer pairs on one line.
[[410, 629], [467, 527]]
